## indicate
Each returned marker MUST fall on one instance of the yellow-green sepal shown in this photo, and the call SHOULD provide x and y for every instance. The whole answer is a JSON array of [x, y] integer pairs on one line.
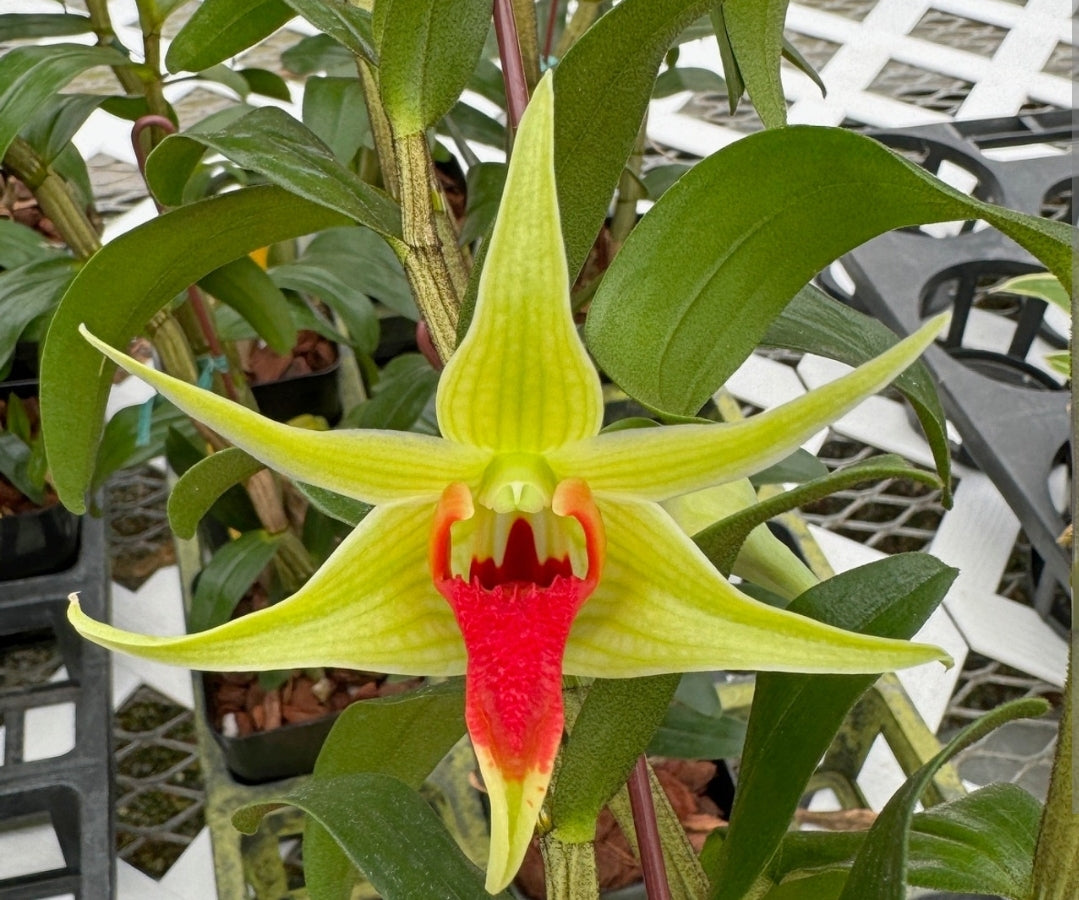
[[371, 606], [658, 463], [662, 607], [521, 380], [366, 464]]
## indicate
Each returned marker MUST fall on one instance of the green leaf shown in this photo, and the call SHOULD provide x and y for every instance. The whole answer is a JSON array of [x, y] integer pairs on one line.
[[27, 292], [373, 736], [336, 111], [688, 78], [351, 304], [16, 26], [225, 579], [399, 398], [599, 108], [618, 718], [202, 485], [244, 286], [688, 734], [54, 125], [800, 466], [20, 245], [269, 141], [485, 183], [428, 53], [219, 29], [337, 506], [473, 125], [14, 466], [681, 307], [319, 53], [389, 833], [120, 447], [720, 542], [697, 691], [381, 277], [755, 31], [658, 179], [1041, 285], [116, 298], [889, 598], [880, 869], [31, 75], [791, 54], [982, 843], [184, 448], [345, 23], [736, 85], [813, 322], [1060, 362], [266, 83], [223, 74]]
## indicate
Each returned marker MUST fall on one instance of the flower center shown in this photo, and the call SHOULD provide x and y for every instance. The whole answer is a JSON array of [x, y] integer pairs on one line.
[[552, 533]]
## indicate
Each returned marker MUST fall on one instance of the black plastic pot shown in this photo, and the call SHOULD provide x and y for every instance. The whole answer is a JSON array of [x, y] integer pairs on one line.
[[314, 393], [38, 542], [271, 755], [73, 790]]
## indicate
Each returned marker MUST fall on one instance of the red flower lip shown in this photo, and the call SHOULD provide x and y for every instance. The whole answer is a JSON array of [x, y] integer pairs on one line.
[[515, 611]]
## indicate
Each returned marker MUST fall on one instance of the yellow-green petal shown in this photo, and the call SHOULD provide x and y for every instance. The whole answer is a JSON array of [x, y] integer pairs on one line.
[[371, 606], [763, 558], [658, 463], [369, 465], [662, 607], [521, 380]]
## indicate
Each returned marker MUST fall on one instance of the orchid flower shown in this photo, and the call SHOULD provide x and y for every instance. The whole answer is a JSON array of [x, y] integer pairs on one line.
[[522, 544]]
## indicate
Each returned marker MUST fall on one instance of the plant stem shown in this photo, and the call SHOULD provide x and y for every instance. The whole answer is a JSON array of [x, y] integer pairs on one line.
[[155, 97], [630, 190], [569, 869], [513, 72], [524, 14], [650, 847], [548, 36], [380, 128], [55, 199], [1056, 858], [582, 18], [106, 37], [433, 263]]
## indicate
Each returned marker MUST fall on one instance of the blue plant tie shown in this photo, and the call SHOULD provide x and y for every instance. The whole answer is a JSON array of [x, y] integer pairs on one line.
[[146, 420], [548, 62], [211, 364]]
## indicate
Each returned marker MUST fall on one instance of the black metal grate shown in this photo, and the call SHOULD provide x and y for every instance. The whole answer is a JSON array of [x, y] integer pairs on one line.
[[159, 790]]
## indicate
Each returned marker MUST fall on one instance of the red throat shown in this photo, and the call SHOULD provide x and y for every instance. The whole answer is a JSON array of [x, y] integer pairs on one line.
[[515, 617]]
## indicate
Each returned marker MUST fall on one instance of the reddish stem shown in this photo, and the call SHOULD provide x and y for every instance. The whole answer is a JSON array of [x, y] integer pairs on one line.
[[141, 124], [649, 844], [194, 296], [548, 38], [513, 68]]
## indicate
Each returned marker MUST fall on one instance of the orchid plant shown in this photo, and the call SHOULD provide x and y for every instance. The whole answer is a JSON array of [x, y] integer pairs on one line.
[[570, 572], [523, 545]]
